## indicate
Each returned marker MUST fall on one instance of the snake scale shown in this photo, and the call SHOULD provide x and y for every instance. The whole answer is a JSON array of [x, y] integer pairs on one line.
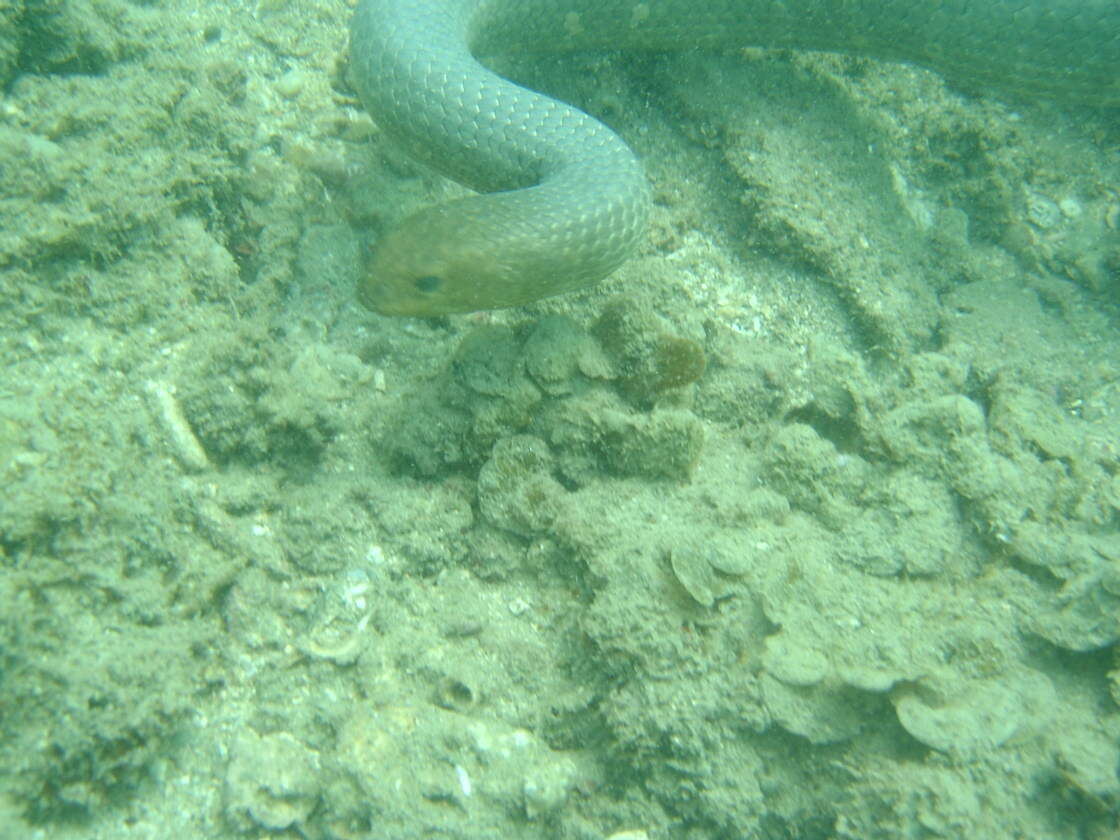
[[563, 201]]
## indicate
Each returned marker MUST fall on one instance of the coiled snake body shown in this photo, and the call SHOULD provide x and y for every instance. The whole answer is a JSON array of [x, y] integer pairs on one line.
[[564, 201]]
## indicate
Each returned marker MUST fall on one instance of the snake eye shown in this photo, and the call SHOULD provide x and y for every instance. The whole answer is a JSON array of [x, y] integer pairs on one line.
[[428, 283]]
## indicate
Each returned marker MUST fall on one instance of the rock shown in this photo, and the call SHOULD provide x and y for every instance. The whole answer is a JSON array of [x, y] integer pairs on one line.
[[408, 763], [694, 573], [649, 358], [272, 781], [794, 663], [969, 717], [516, 491], [665, 444], [822, 713], [703, 564]]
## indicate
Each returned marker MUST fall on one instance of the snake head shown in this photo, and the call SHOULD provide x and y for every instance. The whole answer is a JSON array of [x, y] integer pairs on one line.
[[439, 261]]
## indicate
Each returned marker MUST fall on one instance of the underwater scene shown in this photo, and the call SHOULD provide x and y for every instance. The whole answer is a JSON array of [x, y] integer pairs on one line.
[[803, 523]]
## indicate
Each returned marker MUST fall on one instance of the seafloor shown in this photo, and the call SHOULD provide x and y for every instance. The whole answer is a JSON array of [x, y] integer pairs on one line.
[[804, 525]]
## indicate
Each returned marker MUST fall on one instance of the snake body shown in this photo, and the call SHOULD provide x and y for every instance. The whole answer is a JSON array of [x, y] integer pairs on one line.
[[563, 199]]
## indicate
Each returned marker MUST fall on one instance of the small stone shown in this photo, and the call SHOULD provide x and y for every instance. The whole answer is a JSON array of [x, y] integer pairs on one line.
[[730, 554], [1071, 208], [516, 491], [272, 781], [694, 573], [1112, 216], [180, 436], [794, 662], [868, 678], [291, 84], [955, 715], [547, 785], [1041, 211]]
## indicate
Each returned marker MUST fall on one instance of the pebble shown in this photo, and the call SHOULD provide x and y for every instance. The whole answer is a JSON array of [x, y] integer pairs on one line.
[[168, 415], [1041, 211], [291, 84], [1071, 208]]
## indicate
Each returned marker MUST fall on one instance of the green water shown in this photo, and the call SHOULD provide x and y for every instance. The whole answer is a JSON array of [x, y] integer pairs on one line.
[[804, 525]]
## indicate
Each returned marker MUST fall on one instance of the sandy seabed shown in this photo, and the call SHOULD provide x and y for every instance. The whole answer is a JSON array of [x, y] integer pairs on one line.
[[806, 524]]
